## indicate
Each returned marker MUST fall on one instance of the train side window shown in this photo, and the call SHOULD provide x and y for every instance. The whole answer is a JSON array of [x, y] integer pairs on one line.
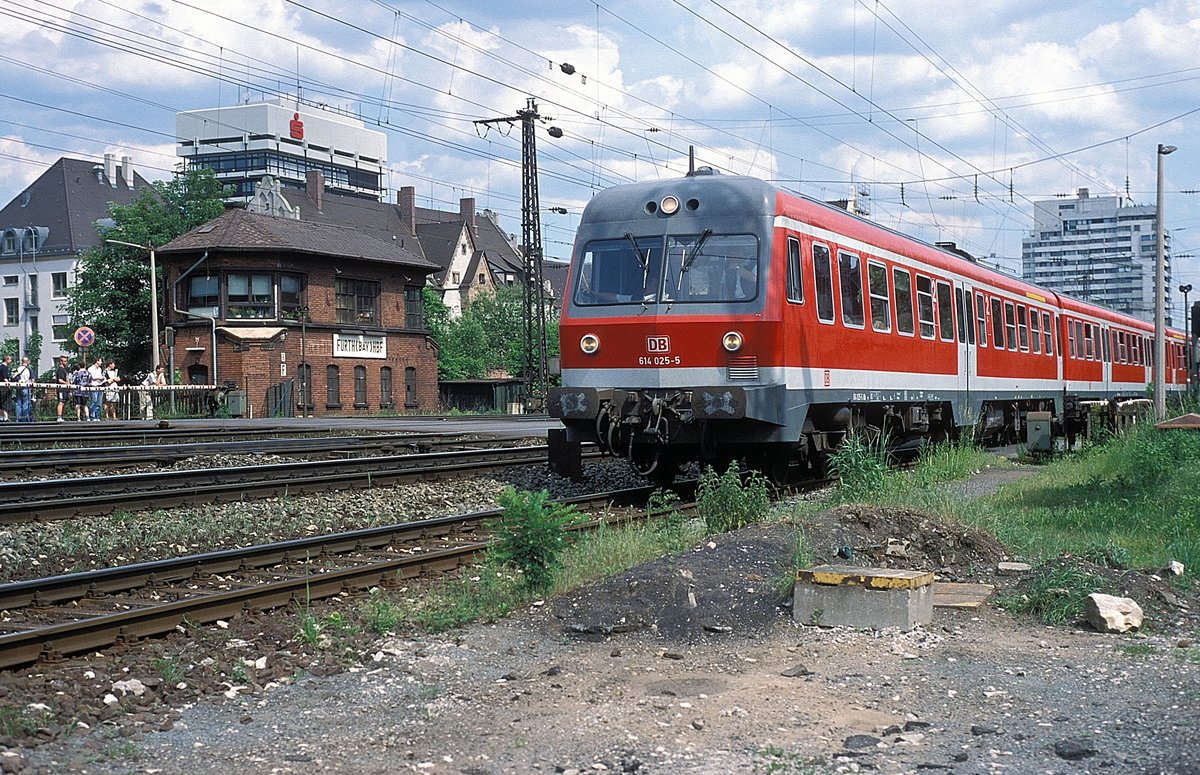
[[925, 306], [795, 286], [1135, 350], [902, 280], [997, 324], [1022, 328], [1010, 325], [1035, 336], [945, 312], [1104, 342], [1080, 347], [1118, 346], [981, 319], [881, 305], [823, 274], [1089, 338], [1047, 334], [960, 315], [968, 315], [851, 283], [1071, 338]]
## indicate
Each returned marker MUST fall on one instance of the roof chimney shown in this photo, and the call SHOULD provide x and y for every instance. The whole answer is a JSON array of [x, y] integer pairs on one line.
[[1083, 193], [406, 204], [466, 209], [127, 171], [314, 187], [110, 169]]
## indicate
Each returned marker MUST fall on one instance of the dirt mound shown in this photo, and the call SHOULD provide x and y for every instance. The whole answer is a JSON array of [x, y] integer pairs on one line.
[[740, 581]]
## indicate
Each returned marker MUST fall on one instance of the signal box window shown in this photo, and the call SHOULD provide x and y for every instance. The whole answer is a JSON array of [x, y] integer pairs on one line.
[[795, 287], [850, 281], [333, 388], [357, 301], [1010, 325], [823, 273], [1035, 336], [1047, 334], [902, 280], [877, 286], [360, 387], [945, 312], [981, 319], [204, 296], [250, 296], [1023, 328], [925, 306]]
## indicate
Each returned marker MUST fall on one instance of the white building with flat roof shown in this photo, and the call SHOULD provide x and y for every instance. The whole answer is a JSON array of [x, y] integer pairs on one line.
[[284, 139], [1098, 249]]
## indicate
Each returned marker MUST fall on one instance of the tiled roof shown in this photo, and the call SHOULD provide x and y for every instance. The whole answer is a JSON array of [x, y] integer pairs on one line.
[[69, 197], [238, 230], [379, 219]]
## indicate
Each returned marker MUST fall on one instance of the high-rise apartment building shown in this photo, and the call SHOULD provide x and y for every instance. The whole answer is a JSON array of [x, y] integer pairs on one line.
[[243, 144], [1096, 249]]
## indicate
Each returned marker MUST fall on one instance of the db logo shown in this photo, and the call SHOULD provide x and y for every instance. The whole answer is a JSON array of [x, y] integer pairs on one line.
[[658, 344]]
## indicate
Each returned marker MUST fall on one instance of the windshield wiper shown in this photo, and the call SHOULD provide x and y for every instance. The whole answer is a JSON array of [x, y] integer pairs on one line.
[[688, 259]]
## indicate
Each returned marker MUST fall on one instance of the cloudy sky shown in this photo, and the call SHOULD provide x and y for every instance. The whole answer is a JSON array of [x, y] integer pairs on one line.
[[949, 118]]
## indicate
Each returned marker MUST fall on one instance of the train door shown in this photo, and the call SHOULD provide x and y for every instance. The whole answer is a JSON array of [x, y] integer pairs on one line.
[[964, 314]]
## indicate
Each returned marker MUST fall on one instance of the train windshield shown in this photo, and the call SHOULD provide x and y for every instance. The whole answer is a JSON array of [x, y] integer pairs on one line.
[[683, 269]]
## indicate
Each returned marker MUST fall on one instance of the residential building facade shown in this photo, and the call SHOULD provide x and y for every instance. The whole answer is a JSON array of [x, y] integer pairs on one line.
[[42, 232], [1098, 249]]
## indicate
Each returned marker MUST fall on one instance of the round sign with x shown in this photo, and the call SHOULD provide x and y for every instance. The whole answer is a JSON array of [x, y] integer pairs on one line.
[[84, 336]]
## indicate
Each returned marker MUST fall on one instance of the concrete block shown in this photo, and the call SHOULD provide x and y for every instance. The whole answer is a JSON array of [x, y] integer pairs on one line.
[[869, 598]]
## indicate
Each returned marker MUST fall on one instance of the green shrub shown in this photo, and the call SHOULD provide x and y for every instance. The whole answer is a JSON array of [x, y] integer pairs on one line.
[[727, 503], [861, 467], [530, 535]]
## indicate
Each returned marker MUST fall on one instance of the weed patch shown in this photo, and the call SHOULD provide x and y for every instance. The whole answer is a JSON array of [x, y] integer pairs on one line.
[[725, 502]]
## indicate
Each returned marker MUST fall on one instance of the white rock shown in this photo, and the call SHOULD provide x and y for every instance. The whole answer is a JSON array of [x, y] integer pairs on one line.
[[1107, 613], [1012, 568], [110, 699], [1176, 568], [130, 686]]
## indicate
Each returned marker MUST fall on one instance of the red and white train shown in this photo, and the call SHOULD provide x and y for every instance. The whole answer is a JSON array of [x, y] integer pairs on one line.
[[715, 318]]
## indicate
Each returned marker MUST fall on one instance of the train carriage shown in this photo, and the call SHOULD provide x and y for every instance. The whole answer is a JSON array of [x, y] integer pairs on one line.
[[717, 317]]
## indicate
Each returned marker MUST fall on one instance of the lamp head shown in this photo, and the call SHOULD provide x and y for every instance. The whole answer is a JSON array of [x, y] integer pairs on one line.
[[1165, 149]]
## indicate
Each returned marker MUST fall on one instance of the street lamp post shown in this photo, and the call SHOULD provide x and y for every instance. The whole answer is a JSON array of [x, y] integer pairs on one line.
[[153, 301], [1160, 292], [1185, 289]]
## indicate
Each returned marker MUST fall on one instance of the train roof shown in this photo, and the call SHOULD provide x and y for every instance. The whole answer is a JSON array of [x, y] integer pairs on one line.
[[711, 191]]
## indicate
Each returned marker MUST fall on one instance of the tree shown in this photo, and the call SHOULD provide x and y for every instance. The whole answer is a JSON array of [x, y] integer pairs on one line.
[[111, 294]]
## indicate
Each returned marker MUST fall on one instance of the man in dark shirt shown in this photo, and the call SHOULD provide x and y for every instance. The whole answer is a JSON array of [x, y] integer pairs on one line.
[[5, 390], [61, 376]]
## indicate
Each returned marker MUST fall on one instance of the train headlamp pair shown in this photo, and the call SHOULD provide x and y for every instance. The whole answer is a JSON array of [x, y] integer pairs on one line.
[[590, 343]]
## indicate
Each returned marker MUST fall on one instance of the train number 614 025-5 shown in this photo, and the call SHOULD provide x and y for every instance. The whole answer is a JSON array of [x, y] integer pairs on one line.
[[659, 360]]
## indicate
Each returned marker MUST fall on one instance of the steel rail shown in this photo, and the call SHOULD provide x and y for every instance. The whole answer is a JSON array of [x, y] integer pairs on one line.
[[60, 459], [25, 647], [51, 499]]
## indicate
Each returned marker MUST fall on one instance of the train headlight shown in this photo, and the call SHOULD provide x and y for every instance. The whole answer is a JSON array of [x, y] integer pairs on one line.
[[669, 205], [589, 343], [732, 341]]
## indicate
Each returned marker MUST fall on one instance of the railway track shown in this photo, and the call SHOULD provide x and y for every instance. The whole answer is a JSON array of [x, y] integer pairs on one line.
[[51, 499], [75, 613], [25, 462]]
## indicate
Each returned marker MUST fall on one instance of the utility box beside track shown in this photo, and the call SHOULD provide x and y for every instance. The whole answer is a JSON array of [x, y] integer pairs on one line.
[[1038, 437]]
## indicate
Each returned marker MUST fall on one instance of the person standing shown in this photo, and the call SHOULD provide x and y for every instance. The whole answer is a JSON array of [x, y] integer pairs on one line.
[[154, 379], [96, 372], [80, 381], [23, 377], [6, 376], [62, 377], [111, 395]]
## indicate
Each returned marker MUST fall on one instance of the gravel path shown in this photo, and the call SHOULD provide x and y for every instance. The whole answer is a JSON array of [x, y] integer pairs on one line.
[[688, 665]]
